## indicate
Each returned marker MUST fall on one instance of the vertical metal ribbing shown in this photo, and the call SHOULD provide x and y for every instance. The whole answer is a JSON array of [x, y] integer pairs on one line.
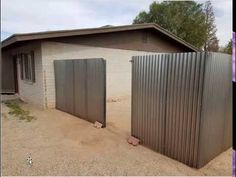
[[175, 94], [150, 103], [161, 124], [186, 108], [189, 107], [171, 105], [146, 98], [156, 104], [167, 62], [69, 84], [180, 105], [151, 86], [203, 58], [190, 118], [153, 126], [216, 104], [139, 97], [80, 88], [161, 101], [143, 69], [85, 86], [137, 92], [133, 101], [194, 107], [104, 85], [167, 109], [176, 91]]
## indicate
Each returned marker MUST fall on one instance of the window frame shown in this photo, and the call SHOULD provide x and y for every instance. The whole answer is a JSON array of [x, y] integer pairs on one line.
[[27, 67]]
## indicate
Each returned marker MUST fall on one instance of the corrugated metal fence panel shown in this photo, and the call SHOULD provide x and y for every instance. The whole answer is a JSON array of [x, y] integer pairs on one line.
[[96, 86], [148, 99], [69, 82], [60, 72], [81, 88], [80, 93], [185, 81], [216, 120], [181, 104], [64, 86]]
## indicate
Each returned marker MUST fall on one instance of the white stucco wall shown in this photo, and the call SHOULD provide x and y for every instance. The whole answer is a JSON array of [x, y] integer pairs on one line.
[[117, 62], [32, 93]]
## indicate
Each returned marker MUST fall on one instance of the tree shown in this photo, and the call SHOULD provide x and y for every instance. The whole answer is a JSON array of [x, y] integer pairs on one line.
[[227, 48], [186, 19], [211, 42]]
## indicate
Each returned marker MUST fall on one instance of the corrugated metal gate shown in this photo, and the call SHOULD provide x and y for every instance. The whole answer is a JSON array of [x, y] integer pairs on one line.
[[181, 104], [81, 88]]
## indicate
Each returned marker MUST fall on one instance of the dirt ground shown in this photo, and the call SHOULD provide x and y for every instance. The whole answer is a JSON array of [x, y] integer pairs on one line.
[[61, 144]]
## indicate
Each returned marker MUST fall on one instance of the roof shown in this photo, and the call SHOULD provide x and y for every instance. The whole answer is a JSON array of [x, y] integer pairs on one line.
[[79, 32]]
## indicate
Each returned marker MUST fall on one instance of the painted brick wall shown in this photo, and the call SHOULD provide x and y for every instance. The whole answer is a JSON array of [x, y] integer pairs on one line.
[[32, 92], [118, 66]]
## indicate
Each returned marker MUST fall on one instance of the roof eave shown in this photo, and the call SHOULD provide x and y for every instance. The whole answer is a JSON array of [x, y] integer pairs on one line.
[[176, 38], [65, 33]]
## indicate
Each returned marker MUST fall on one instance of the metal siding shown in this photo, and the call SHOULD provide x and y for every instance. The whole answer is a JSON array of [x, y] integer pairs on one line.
[[69, 86], [80, 94], [64, 86], [148, 93], [59, 68], [175, 97], [216, 118], [81, 88], [95, 86], [182, 109]]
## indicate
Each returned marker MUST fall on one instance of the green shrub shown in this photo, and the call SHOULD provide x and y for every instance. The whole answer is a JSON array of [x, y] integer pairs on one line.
[[17, 111]]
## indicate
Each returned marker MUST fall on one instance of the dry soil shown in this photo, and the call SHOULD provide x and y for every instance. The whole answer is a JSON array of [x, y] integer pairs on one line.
[[62, 144]]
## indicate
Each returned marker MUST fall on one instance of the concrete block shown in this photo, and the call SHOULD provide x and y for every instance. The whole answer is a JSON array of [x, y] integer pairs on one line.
[[97, 124], [134, 141]]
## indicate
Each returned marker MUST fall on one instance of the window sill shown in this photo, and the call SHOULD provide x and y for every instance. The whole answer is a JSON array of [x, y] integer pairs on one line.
[[28, 82]]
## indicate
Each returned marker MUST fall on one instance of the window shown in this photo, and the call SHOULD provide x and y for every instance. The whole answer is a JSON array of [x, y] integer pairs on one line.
[[27, 68]]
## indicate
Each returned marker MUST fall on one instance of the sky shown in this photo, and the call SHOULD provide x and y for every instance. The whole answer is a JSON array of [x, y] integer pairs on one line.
[[23, 16]]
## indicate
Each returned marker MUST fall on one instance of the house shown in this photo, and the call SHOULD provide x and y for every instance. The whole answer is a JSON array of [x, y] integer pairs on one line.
[[27, 59]]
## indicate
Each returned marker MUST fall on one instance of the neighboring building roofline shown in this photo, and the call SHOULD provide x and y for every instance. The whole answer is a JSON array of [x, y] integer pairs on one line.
[[78, 32]]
